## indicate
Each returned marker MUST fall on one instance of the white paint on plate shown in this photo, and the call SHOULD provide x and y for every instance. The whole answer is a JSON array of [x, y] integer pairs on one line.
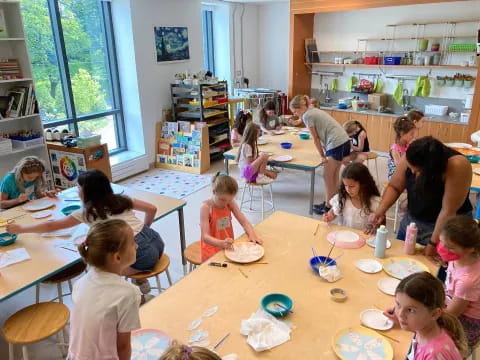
[[371, 242], [40, 204], [370, 266], [346, 236], [374, 318], [283, 158], [278, 132], [42, 214], [262, 141], [388, 285]]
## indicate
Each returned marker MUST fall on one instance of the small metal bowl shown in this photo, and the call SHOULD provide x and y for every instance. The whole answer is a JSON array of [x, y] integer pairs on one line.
[[338, 295]]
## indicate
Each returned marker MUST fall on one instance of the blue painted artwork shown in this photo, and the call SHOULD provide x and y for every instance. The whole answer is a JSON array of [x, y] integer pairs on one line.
[[354, 346], [171, 43], [149, 344]]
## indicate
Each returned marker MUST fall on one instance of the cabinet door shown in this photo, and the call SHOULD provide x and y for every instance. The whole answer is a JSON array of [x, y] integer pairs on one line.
[[341, 116], [380, 132]]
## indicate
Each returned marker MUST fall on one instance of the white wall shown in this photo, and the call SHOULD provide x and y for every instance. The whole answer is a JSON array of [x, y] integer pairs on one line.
[[152, 88], [340, 31], [273, 46]]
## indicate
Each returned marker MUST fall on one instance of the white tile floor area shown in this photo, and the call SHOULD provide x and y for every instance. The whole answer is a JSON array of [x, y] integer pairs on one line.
[[291, 193]]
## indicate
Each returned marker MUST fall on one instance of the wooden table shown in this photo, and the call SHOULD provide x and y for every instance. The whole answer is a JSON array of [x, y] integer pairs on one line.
[[47, 259], [304, 152], [287, 240]]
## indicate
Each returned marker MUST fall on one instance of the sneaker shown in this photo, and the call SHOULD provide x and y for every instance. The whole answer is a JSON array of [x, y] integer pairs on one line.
[[319, 206], [144, 287], [263, 179], [321, 211]]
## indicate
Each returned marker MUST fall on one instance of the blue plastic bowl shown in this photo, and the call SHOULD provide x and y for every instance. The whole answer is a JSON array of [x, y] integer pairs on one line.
[[269, 300], [7, 239], [304, 136], [67, 210], [342, 106], [286, 145], [316, 261], [473, 158]]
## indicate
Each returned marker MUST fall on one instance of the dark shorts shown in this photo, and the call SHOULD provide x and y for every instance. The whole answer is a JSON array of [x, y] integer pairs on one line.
[[150, 248], [339, 152]]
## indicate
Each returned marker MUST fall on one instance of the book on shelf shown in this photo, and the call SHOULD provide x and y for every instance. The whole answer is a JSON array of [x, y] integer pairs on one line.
[[9, 69], [3, 25], [22, 102]]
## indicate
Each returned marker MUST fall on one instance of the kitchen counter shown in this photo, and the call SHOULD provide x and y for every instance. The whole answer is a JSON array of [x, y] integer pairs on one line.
[[432, 118]]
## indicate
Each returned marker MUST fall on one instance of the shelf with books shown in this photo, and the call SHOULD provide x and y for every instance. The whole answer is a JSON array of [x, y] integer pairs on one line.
[[18, 106], [182, 146]]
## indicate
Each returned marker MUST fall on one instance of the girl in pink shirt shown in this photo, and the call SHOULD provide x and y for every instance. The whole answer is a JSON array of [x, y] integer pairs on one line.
[[459, 246], [404, 134], [419, 307]]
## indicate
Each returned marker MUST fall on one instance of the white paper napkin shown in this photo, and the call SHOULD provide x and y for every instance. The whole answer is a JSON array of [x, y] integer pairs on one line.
[[10, 257]]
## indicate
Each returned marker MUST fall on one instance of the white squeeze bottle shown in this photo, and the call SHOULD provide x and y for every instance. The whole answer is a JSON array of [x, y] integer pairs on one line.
[[410, 239], [381, 241]]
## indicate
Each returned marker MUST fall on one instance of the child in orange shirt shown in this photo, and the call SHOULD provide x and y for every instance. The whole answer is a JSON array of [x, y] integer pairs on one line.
[[216, 217]]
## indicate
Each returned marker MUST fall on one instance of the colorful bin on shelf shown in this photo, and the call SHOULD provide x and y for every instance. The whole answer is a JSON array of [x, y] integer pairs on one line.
[[462, 47], [392, 60]]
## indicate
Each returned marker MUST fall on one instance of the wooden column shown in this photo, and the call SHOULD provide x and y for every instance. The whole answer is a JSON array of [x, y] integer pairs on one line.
[[300, 78]]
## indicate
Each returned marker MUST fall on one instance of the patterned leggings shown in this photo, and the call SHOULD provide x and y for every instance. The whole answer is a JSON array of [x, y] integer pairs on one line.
[[472, 329]]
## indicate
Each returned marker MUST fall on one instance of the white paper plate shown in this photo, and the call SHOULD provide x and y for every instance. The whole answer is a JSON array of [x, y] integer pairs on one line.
[[42, 214], [459, 145], [370, 266], [388, 285], [40, 204], [346, 236], [374, 319], [278, 132], [283, 158], [476, 171], [262, 141], [371, 242]]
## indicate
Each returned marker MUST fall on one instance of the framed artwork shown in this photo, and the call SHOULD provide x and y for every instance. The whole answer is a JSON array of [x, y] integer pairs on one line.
[[171, 44]]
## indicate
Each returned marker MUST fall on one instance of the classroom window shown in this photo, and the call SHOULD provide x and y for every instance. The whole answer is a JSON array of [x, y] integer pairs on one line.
[[208, 51], [74, 64]]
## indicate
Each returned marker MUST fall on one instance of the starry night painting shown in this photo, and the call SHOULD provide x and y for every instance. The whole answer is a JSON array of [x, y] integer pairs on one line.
[[171, 43]]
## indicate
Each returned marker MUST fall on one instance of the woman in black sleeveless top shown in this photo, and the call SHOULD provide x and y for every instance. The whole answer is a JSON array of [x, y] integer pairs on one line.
[[438, 181]]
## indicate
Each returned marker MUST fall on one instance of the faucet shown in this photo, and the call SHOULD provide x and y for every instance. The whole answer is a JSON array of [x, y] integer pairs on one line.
[[406, 100], [327, 94]]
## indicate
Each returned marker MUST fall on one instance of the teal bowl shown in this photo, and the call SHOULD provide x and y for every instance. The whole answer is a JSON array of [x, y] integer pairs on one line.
[[67, 210], [473, 158], [7, 239], [268, 304], [304, 136]]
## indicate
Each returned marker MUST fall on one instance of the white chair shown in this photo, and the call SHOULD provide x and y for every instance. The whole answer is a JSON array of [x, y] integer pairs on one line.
[[373, 156], [252, 186], [397, 205]]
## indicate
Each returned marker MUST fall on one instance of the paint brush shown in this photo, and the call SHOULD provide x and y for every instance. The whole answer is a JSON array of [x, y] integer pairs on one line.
[[283, 307], [246, 276], [221, 341], [334, 259], [316, 229]]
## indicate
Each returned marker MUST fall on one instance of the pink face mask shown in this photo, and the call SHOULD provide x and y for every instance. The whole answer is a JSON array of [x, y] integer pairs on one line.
[[446, 254]]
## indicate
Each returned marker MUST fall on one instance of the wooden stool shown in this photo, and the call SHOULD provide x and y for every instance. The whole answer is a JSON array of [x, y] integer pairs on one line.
[[36, 323], [373, 156], [161, 266], [251, 186], [65, 275], [397, 205], [193, 254]]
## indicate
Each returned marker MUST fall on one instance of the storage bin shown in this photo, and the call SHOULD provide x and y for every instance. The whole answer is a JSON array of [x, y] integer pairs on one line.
[[371, 60], [462, 47], [25, 144], [392, 60], [439, 110]]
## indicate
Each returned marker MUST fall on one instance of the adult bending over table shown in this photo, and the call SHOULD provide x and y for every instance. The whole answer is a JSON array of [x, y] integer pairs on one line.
[[331, 141], [437, 179]]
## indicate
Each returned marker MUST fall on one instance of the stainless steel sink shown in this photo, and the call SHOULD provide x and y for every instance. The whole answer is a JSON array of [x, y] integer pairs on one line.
[[330, 105]]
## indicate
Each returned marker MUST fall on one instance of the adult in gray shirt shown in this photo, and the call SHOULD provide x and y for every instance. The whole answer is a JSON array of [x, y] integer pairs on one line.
[[331, 141]]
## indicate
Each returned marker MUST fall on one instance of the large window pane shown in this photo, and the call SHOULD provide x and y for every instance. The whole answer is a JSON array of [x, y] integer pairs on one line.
[[82, 25], [104, 126], [44, 60]]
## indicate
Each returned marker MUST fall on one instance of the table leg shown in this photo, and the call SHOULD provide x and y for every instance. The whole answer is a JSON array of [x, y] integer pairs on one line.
[[225, 161], [312, 190], [181, 225]]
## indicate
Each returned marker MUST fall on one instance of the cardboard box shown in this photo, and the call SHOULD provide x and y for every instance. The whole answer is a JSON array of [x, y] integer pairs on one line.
[[376, 100]]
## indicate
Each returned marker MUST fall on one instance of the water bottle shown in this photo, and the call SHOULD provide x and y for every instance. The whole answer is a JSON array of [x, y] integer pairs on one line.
[[410, 239], [381, 241]]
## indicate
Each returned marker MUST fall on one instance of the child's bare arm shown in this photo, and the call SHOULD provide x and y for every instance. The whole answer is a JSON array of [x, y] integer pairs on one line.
[[252, 236], [205, 229], [124, 347], [149, 209], [396, 156], [457, 306], [46, 226], [5, 202]]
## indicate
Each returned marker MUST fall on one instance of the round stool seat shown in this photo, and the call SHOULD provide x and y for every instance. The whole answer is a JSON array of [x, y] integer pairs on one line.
[[162, 264], [193, 253], [35, 323], [372, 156], [67, 274]]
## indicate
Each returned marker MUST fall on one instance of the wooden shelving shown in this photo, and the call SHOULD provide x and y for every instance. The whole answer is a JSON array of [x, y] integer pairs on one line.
[[12, 39], [15, 80], [387, 51], [398, 66], [445, 22], [4, 120], [17, 151], [417, 38]]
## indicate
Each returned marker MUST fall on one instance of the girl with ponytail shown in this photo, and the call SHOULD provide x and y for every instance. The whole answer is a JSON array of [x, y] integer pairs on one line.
[[420, 307]]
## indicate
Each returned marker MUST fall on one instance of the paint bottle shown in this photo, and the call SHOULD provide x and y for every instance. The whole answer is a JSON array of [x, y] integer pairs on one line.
[[410, 239], [381, 241]]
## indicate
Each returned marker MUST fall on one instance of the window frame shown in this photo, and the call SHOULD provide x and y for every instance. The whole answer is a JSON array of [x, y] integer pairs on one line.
[[72, 119], [208, 44]]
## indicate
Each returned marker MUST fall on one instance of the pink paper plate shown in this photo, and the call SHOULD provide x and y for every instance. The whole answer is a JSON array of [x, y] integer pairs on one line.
[[346, 239]]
